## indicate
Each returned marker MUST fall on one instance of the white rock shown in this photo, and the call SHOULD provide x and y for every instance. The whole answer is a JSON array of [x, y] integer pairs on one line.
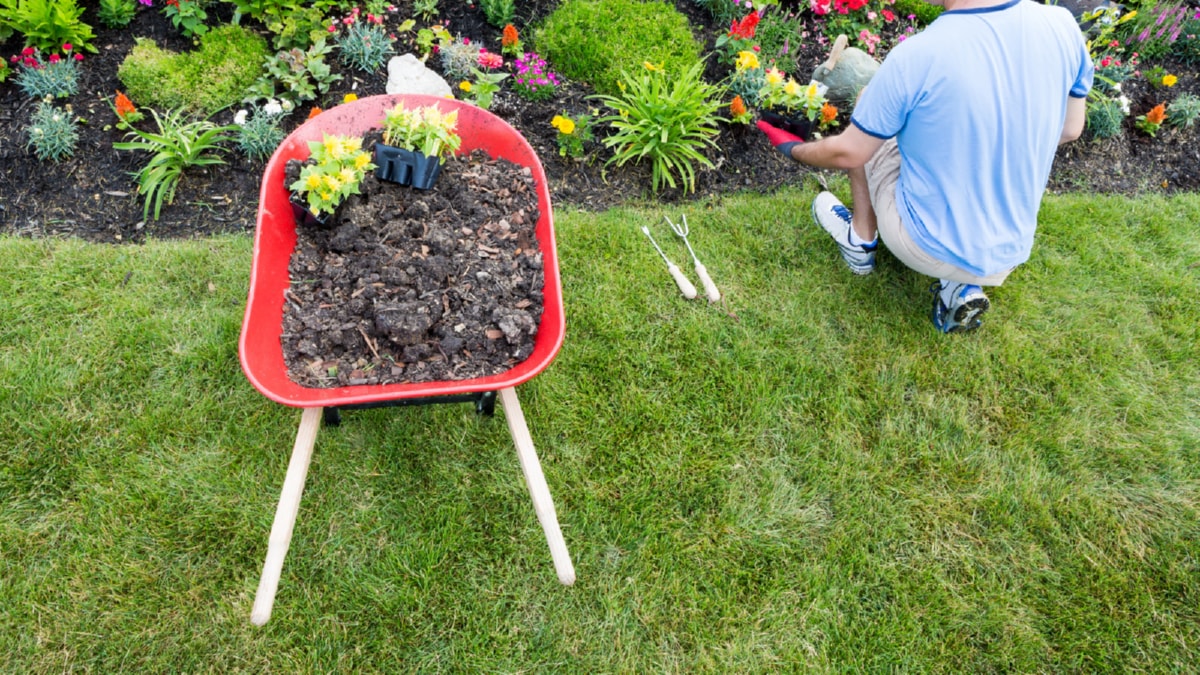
[[407, 75]]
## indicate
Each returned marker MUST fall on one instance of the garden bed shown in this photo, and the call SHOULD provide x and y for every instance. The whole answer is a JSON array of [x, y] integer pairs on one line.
[[92, 195]]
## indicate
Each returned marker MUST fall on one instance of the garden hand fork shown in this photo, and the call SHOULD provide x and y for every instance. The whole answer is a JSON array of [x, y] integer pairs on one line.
[[710, 289]]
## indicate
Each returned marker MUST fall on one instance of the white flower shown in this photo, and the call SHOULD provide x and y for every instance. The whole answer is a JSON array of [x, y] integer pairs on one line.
[[272, 107], [1117, 86], [1124, 101], [288, 106], [56, 118], [240, 118]]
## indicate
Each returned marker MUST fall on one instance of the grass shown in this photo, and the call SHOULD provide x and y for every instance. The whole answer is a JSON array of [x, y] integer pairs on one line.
[[805, 478]]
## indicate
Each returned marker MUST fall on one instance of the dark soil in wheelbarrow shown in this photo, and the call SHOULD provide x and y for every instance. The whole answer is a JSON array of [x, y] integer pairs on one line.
[[409, 286]]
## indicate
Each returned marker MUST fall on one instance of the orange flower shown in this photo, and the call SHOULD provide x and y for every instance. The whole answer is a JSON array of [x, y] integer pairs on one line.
[[1157, 114], [509, 38], [828, 113], [737, 107], [314, 112], [123, 105]]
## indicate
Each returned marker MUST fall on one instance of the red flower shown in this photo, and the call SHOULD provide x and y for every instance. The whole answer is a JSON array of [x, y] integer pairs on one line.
[[28, 51], [79, 57], [54, 58], [66, 46], [888, 15], [744, 29]]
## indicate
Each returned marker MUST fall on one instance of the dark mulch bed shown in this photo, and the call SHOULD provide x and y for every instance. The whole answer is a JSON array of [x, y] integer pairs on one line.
[[92, 196]]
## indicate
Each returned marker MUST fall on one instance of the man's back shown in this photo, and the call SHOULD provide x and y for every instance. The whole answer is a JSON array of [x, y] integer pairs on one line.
[[977, 103]]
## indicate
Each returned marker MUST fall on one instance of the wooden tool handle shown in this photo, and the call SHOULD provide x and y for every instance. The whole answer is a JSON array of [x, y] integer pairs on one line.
[[710, 289], [685, 286]]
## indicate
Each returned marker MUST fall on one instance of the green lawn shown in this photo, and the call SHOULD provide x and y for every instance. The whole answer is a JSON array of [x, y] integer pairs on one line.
[[805, 478]]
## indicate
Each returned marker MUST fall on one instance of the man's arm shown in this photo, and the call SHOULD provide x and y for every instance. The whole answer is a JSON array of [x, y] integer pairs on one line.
[[1076, 116], [848, 150]]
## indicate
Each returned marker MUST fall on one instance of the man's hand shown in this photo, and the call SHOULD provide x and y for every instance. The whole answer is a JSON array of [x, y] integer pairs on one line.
[[782, 140]]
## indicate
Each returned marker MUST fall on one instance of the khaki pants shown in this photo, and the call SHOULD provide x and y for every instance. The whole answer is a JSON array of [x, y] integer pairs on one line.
[[883, 172]]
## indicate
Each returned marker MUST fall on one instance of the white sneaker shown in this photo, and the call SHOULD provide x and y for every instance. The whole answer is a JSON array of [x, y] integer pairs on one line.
[[965, 311], [835, 218]]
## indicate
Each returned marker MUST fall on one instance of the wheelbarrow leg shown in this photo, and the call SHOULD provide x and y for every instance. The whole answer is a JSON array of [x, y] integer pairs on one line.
[[536, 481], [285, 515]]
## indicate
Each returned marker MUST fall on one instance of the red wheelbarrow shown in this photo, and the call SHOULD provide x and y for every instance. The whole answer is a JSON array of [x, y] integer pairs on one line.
[[261, 351]]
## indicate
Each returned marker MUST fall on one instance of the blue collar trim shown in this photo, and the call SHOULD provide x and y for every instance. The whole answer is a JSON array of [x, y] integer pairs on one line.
[[981, 10]]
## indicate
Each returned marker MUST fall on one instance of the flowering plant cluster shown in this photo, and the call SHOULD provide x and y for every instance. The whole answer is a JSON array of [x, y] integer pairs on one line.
[[485, 86], [1153, 119], [534, 79], [427, 130], [783, 92], [740, 37], [338, 165], [573, 132], [127, 112], [857, 19], [56, 76], [738, 113]]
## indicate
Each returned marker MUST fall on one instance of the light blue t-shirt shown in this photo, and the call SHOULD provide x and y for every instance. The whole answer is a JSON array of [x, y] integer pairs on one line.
[[977, 103]]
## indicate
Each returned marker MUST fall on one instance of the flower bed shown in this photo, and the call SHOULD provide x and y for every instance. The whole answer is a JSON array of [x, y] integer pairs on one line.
[[90, 191]]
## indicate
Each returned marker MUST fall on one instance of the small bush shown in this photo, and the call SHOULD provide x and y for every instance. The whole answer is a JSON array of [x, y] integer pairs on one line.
[[1184, 110], [56, 77], [498, 12], [459, 57], [117, 13], [298, 75], [259, 132], [722, 11], [46, 24], [925, 13], [594, 40], [1104, 118], [52, 132], [213, 77], [364, 46]]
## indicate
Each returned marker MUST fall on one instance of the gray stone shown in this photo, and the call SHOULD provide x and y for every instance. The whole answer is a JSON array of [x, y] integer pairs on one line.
[[407, 75], [845, 72]]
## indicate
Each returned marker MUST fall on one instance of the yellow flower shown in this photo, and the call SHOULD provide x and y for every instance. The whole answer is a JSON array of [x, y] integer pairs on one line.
[[651, 67], [332, 183], [746, 60], [313, 182], [361, 160], [326, 196], [346, 175], [464, 85], [811, 92], [350, 98], [774, 76], [1169, 80], [565, 125], [791, 88]]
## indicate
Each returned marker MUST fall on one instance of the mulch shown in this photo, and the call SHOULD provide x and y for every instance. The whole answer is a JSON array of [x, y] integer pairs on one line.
[[92, 195]]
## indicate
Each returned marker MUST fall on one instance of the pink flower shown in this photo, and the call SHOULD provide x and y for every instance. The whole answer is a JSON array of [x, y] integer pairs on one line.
[[66, 46], [28, 51], [79, 57], [54, 58]]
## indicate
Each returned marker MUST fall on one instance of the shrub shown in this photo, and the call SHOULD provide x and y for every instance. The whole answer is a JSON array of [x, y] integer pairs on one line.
[[1104, 118], [498, 12], [458, 57], [116, 13], [52, 132], [213, 77], [1184, 110], [46, 24], [179, 143], [188, 16], [924, 12], [259, 133], [365, 46], [301, 74], [722, 11], [595, 40], [666, 120]]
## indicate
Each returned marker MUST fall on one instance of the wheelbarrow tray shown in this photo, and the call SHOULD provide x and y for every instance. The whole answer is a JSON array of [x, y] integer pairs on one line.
[[260, 348]]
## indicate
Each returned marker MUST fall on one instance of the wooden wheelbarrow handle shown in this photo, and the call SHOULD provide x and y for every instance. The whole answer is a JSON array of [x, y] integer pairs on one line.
[[285, 515]]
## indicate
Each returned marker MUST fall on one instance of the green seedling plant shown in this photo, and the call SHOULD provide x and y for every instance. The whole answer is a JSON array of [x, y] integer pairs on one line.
[[52, 132], [573, 133], [428, 38], [427, 130], [665, 120], [116, 13], [425, 9], [302, 75], [179, 143], [498, 12], [482, 88], [188, 17], [336, 167]]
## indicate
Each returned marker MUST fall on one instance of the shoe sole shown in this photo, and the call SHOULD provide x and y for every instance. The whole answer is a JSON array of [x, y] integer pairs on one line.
[[969, 315]]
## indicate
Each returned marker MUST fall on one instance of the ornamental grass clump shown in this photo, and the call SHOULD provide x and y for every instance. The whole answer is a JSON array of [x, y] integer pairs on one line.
[[259, 130], [665, 120], [534, 81], [1184, 110], [335, 169], [52, 132], [56, 76], [179, 143], [458, 57], [1104, 118]]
